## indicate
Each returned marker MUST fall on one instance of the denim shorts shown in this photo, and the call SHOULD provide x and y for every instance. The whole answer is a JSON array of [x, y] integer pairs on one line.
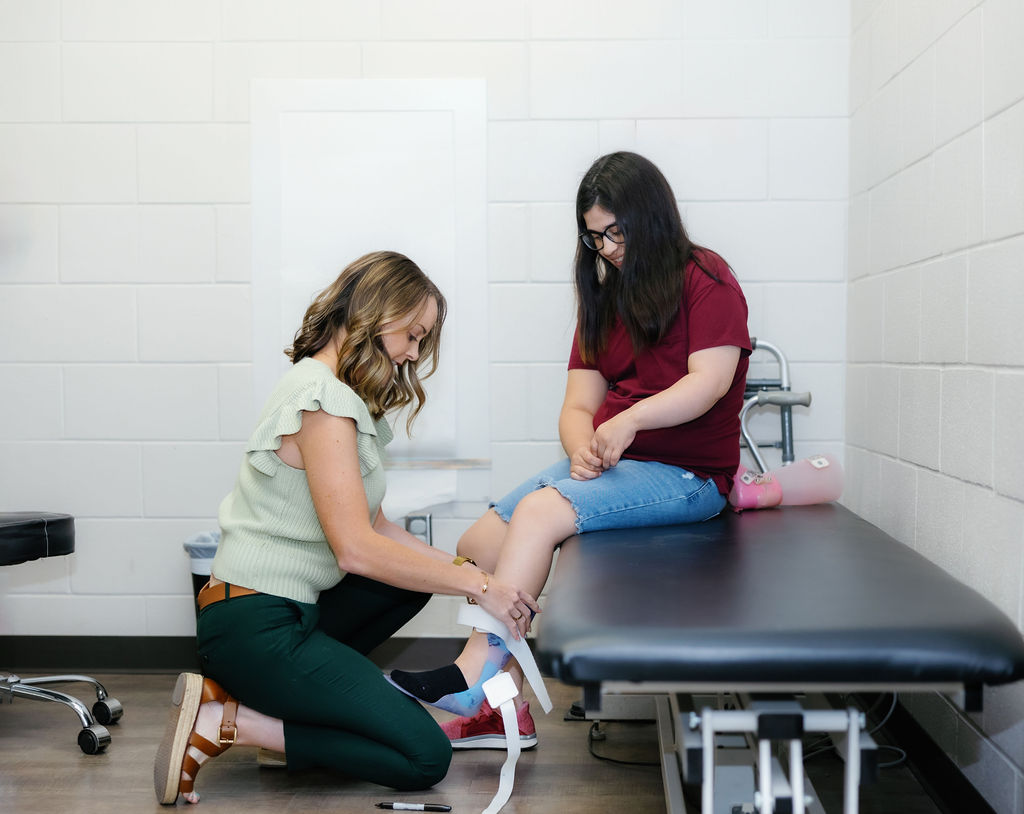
[[629, 495]]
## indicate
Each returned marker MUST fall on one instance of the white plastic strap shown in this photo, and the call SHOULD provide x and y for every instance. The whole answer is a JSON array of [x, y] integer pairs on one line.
[[508, 769], [502, 690], [475, 616], [501, 693]]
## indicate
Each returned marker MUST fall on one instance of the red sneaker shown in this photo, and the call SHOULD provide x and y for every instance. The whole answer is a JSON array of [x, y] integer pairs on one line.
[[486, 730]]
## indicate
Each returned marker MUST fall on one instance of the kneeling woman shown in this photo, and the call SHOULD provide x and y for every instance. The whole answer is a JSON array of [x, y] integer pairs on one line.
[[310, 576]]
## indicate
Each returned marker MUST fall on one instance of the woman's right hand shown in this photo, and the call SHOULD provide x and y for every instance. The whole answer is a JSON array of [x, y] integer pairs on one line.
[[509, 604], [584, 464], [585, 391]]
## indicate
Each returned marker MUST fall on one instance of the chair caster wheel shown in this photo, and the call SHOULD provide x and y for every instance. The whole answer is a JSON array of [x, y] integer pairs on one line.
[[108, 711], [93, 739]]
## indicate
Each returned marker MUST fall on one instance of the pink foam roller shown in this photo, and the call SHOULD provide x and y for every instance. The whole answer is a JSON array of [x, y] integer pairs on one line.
[[817, 479]]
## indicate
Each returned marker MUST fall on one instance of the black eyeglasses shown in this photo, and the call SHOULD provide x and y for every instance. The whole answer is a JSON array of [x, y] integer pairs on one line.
[[595, 240]]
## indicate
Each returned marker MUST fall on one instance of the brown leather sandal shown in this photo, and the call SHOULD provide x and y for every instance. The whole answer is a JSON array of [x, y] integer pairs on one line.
[[173, 757]]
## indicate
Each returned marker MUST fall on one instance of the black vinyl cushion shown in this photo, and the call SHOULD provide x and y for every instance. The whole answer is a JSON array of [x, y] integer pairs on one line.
[[30, 535], [794, 595]]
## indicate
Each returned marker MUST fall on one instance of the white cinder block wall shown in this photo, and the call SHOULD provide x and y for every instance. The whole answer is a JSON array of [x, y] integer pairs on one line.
[[125, 316], [935, 381]]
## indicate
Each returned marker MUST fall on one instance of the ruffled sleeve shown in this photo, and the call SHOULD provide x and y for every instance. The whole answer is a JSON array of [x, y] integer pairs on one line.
[[309, 390]]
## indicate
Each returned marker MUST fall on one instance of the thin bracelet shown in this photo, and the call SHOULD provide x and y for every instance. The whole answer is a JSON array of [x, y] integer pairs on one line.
[[487, 581]]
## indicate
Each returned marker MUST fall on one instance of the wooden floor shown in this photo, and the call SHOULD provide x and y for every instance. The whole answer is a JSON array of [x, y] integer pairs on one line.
[[43, 771]]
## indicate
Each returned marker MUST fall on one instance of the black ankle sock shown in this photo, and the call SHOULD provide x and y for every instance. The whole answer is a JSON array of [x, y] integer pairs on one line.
[[430, 685]]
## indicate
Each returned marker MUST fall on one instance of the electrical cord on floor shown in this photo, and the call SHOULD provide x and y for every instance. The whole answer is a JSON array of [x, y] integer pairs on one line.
[[590, 747], [817, 747], [901, 755], [887, 716]]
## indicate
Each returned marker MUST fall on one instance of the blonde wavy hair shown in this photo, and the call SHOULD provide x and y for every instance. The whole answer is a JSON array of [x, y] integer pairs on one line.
[[378, 288]]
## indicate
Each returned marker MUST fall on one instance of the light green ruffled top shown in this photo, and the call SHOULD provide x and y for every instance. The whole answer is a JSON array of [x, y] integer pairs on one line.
[[271, 539]]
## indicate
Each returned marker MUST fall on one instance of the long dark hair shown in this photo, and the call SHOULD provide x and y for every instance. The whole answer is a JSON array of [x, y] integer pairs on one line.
[[647, 290], [377, 288]]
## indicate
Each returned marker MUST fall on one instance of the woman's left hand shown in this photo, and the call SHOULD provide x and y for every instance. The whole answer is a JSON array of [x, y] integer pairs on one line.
[[613, 438]]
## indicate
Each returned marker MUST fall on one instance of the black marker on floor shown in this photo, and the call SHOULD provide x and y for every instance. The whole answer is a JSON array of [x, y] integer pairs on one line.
[[414, 806]]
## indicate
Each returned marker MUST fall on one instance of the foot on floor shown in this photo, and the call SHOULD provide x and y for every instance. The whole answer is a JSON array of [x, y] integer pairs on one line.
[[486, 729], [183, 750]]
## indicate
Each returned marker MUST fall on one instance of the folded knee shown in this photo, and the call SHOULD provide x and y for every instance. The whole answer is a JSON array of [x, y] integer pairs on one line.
[[425, 770], [549, 507]]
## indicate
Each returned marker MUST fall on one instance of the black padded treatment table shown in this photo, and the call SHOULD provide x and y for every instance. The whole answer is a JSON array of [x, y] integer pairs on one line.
[[773, 607]]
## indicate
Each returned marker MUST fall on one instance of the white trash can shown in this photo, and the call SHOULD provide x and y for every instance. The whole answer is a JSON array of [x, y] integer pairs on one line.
[[201, 548]]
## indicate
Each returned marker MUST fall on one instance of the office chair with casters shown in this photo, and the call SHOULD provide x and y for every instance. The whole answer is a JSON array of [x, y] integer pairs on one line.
[[28, 536]]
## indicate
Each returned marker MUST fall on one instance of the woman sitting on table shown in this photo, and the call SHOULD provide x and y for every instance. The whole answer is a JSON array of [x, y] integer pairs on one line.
[[649, 423]]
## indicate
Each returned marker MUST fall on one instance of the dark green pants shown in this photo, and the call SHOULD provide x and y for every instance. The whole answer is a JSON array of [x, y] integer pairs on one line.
[[307, 665]]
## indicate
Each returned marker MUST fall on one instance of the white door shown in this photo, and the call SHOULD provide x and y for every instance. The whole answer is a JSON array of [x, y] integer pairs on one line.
[[343, 167]]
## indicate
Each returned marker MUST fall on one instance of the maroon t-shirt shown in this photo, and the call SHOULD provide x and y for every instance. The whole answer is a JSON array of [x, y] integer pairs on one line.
[[711, 314]]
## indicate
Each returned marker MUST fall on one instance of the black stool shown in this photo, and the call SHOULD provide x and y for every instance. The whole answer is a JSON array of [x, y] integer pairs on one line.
[[28, 536]]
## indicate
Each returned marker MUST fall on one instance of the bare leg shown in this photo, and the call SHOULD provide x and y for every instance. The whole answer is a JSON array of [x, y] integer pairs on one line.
[[482, 542], [527, 545], [540, 522], [253, 729]]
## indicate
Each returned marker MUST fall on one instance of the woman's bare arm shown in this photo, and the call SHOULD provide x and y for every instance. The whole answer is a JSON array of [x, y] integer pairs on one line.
[[710, 376], [585, 390], [329, 455]]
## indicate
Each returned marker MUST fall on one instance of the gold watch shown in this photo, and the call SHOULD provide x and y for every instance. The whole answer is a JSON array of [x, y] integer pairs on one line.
[[460, 560]]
